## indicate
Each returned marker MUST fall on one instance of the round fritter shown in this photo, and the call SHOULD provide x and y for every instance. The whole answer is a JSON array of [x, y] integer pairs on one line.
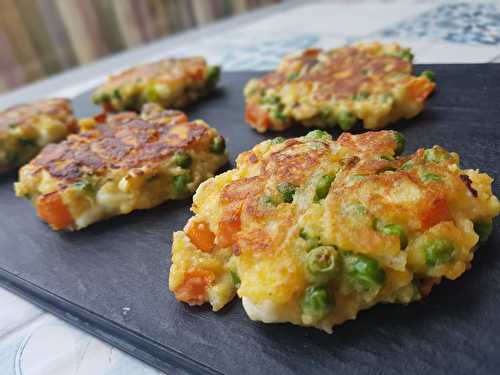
[[172, 83], [119, 163], [311, 231], [26, 128], [325, 88]]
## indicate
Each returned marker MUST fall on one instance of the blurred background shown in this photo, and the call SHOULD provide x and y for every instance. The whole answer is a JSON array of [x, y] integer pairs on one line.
[[42, 37]]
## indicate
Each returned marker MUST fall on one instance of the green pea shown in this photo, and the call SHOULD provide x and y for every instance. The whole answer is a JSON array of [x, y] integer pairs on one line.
[[429, 74], [180, 184], [436, 154], [392, 230], [428, 176], [277, 140], [317, 134], [218, 145], [287, 191], [212, 74], [151, 94], [101, 97], [316, 304], [182, 159], [292, 76], [236, 279], [277, 113], [404, 54], [364, 272], [85, 186], [483, 230], [323, 187], [312, 241], [267, 199], [270, 100], [400, 143], [346, 120], [321, 263], [438, 252], [116, 94]]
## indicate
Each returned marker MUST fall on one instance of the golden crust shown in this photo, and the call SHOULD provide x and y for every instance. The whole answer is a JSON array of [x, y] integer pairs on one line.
[[119, 163], [163, 70], [324, 88], [172, 83], [264, 219], [121, 143], [26, 128], [342, 72], [22, 115]]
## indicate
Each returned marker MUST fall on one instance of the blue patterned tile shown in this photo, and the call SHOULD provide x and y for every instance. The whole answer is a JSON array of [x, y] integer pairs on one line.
[[466, 23]]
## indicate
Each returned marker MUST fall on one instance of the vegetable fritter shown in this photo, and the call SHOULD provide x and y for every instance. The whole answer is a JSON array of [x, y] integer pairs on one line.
[[371, 82], [172, 83], [25, 129], [311, 231], [120, 163]]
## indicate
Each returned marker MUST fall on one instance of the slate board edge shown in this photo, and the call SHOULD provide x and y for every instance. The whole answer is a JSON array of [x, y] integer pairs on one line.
[[134, 344], [159, 356]]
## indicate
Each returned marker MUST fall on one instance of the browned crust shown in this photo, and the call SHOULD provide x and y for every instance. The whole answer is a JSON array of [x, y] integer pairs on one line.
[[294, 163], [341, 72], [23, 114], [123, 141], [371, 143], [165, 69], [298, 160]]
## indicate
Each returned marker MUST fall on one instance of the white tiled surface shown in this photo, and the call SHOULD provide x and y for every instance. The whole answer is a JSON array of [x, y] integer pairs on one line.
[[33, 342]]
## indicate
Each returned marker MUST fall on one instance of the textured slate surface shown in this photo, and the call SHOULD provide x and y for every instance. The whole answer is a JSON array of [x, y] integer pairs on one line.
[[111, 279]]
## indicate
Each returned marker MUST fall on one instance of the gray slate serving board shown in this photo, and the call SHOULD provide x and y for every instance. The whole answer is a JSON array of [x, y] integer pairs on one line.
[[88, 277]]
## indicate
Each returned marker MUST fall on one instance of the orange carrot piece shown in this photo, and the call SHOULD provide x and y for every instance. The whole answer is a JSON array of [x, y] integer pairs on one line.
[[228, 227], [257, 116], [52, 209], [200, 235], [194, 288], [101, 117], [198, 74], [437, 213], [419, 88]]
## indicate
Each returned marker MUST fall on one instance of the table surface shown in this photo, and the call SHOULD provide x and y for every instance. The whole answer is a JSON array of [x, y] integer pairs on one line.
[[33, 342]]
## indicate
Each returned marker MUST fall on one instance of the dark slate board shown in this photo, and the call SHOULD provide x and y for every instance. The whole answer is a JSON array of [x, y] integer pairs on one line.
[[88, 277]]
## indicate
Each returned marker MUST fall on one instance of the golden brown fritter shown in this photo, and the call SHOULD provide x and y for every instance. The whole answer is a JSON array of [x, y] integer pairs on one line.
[[172, 83], [26, 128], [311, 231], [119, 164], [371, 82]]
